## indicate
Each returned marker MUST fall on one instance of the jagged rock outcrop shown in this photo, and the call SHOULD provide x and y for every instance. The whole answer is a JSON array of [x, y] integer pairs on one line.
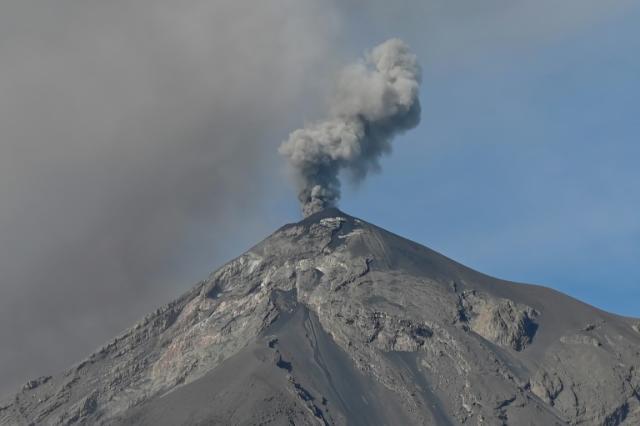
[[334, 321], [501, 321]]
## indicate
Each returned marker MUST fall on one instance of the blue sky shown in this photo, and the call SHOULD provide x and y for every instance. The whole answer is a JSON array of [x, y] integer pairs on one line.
[[525, 165]]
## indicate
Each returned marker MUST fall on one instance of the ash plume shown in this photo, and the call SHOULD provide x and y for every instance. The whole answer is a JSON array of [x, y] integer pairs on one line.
[[376, 98]]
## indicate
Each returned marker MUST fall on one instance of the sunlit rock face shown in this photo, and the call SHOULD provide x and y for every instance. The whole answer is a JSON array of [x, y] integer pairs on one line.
[[335, 321]]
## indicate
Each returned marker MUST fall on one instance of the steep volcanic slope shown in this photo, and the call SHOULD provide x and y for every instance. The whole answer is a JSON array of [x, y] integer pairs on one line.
[[335, 321]]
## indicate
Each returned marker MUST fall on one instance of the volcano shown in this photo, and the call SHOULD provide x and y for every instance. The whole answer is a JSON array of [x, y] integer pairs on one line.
[[334, 321]]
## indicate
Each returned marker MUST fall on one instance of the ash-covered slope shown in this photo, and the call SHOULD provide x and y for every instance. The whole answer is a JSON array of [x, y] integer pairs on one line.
[[335, 321]]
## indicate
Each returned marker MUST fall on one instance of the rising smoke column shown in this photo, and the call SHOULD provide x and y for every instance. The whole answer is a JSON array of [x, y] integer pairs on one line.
[[376, 98]]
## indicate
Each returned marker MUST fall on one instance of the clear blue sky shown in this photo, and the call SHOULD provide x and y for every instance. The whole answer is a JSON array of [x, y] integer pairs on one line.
[[525, 165]]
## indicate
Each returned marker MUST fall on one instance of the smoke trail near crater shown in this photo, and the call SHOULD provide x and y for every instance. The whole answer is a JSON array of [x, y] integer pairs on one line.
[[376, 98]]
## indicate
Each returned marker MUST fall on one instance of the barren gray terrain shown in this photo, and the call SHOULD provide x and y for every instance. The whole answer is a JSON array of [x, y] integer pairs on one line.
[[335, 321]]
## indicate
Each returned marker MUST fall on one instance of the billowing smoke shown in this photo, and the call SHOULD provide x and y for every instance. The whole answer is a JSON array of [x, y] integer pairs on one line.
[[376, 99]]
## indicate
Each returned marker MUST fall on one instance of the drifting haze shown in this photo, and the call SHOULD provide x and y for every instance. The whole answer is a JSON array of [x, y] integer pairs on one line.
[[375, 100], [124, 126]]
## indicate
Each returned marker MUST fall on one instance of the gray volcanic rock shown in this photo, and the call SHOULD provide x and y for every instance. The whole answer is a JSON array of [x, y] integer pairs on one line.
[[334, 321]]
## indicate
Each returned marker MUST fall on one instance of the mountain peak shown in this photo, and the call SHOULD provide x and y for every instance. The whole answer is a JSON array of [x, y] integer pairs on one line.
[[329, 212]]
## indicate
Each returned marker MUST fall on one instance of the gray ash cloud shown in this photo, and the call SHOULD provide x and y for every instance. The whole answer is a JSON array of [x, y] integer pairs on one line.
[[376, 98]]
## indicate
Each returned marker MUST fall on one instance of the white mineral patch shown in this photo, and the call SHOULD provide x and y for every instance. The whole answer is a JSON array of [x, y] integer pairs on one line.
[[355, 232]]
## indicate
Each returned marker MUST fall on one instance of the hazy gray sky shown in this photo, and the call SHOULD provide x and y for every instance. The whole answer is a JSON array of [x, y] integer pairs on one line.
[[138, 140], [123, 126]]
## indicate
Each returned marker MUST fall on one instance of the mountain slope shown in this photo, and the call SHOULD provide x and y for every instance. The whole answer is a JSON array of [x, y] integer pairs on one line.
[[335, 321]]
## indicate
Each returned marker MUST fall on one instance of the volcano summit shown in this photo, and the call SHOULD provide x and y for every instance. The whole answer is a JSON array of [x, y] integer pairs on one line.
[[334, 321]]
